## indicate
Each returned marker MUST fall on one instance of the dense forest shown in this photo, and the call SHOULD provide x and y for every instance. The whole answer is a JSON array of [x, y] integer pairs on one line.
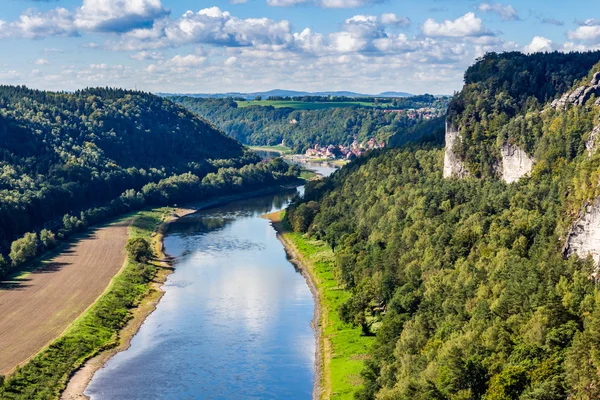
[[463, 281], [61, 152], [301, 129], [68, 160], [503, 98]]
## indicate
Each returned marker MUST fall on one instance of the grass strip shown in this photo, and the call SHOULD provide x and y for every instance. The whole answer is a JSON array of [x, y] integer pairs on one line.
[[343, 348], [97, 329]]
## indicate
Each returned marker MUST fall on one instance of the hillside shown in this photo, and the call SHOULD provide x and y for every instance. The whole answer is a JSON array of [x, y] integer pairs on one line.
[[300, 129], [61, 152], [282, 92], [470, 285]]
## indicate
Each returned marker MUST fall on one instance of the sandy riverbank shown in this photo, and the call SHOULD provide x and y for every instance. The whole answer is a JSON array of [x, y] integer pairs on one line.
[[82, 377], [296, 258]]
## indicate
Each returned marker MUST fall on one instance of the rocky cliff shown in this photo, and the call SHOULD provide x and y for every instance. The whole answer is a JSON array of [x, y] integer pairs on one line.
[[454, 167], [583, 238], [580, 95], [516, 163]]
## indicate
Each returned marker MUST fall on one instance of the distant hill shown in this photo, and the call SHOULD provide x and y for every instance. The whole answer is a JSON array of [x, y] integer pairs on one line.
[[300, 129], [284, 93], [60, 152]]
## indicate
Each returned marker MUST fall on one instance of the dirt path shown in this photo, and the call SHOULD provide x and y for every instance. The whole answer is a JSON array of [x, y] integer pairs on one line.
[[36, 309]]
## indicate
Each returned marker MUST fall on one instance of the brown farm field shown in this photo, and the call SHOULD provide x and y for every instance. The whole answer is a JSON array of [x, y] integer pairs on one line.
[[37, 307]]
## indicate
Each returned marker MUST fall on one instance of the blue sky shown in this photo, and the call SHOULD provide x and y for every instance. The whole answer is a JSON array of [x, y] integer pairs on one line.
[[188, 46]]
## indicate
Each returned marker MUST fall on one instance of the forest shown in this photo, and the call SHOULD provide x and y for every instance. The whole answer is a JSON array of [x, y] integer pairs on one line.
[[463, 282], [300, 129], [72, 159]]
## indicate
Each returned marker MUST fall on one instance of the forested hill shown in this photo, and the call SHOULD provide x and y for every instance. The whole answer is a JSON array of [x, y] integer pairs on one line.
[[60, 152], [503, 99], [259, 125], [464, 282]]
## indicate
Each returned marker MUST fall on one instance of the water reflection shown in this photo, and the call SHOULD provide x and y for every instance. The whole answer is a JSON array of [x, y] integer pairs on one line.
[[234, 322]]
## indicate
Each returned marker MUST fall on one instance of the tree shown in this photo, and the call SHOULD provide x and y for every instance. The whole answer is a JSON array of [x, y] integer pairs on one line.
[[139, 249], [48, 239], [24, 249]]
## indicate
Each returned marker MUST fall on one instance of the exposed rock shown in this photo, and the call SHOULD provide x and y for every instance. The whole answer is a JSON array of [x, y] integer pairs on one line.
[[583, 238], [592, 143], [587, 94], [516, 163], [580, 95], [453, 166]]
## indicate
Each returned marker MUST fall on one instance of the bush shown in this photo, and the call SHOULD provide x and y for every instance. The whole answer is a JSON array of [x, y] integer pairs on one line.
[[139, 249], [48, 239], [24, 249]]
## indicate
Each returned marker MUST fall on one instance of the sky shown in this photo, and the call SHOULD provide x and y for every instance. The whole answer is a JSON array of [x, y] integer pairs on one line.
[[210, 46]]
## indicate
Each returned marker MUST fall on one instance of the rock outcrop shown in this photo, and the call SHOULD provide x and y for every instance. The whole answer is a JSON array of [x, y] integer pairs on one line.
[[516, 163], [592, 143], [580, 95], [583, 238], [454, 167]]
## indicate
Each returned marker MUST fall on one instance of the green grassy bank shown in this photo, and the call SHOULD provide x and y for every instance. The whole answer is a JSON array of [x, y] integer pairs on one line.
[[342, 347], [46, 375]]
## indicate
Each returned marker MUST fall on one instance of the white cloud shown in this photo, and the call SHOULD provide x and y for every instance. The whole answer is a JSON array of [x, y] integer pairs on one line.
[[118, 15], [33, 24], [41, 61], [589, 33], [505, 11], [145, 55], [393, 19], [284, 3], [466, 26], [345, 3], [589, 22], [539, 44], [208, 26]]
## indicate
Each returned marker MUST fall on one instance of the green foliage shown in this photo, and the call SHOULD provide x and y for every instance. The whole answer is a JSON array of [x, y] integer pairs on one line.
[[48, 239], [502, 101], [175, 189], [45, 376], [139, 249], [300, 129], [24, 249], [462, 281], [64, 152]]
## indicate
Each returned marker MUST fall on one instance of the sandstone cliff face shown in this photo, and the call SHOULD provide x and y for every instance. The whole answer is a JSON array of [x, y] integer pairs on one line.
[[583, 238], [515, 163], [453, 166], [593, 141], [580, 95]]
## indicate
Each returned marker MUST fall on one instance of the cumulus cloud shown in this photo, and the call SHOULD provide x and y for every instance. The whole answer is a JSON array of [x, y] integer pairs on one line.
[[118, 15], [115, 16], [466, 26], [539, 44], [146, 55], [208, 26], [588, 33], [284, 3], [346, 3], [393, 19], [505, 11], [34, 24]]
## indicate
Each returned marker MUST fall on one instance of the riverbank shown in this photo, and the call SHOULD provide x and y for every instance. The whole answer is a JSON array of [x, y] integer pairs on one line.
[[79, 381], [341, 350]]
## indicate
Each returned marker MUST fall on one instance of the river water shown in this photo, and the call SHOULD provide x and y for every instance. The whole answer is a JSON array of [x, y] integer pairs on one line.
[[234, 322]]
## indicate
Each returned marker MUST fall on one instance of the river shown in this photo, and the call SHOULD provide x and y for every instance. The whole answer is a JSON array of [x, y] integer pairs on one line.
[[234, 322]]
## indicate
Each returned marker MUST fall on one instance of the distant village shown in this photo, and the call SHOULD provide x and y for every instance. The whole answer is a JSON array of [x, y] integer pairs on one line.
[[412, 113], [332, 152]]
